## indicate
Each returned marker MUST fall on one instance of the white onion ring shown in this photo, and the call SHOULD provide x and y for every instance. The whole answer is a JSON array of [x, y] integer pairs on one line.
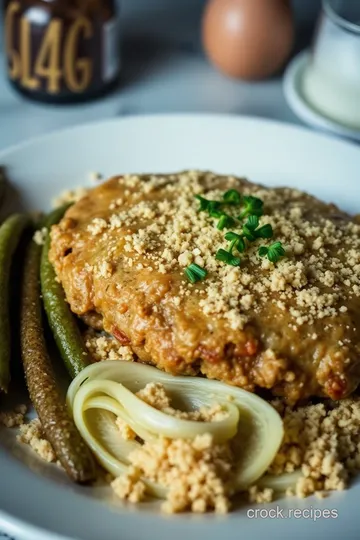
[[106, 390]]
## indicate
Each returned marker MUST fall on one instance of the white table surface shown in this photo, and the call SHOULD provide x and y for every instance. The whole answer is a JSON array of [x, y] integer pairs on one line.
[[164, 70]]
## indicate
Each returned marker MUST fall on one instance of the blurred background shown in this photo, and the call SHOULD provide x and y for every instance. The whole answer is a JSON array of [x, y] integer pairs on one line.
[[164, 69]]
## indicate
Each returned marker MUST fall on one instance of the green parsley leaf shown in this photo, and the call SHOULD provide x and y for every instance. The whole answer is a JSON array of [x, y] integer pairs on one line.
[[263, 251], [248, 233], [236, 240], [227, 257], [232, 196], [252, 232], [204, 203], [252, 222], [225, 221], [214, 212], [214, 206], [274, 252], [253, 205], [195, 273], [207, 205], [266, 231]]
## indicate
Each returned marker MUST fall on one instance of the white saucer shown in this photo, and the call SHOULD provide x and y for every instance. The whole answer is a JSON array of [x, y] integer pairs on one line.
[[292, 84]]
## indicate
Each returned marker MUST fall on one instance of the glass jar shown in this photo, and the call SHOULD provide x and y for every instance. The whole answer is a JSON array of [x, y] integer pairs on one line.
[[62, 51], [331, 81]]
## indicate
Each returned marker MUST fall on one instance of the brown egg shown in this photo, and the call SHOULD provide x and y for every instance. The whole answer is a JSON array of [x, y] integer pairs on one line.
[[249, 39]]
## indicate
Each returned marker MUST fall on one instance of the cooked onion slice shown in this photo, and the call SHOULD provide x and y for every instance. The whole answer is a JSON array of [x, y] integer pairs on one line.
[[280, 482], [104, 391]]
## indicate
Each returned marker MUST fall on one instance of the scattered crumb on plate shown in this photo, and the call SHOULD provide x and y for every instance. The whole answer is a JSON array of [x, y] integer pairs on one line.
[[69, 196], [33, 435], [197, 473], [40, 236], [324, 440], [13, 418]]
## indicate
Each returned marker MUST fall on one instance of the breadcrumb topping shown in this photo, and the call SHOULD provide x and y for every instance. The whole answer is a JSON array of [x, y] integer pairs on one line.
[[33, 435], [105, 347], [320, 272], [142, 232]]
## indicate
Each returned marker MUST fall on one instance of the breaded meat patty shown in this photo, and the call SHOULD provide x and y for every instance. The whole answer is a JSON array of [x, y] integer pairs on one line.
[[139, 257]]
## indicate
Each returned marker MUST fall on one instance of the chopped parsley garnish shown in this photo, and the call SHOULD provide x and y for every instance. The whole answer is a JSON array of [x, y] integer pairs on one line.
[[253, 206], [225, 221], [252, 222], [236, 240], [214, 206], [215, 212], [227, 257], [266, 231], [232, 196], [206, 205], [203, 202], [195, 273], [250, 227], [214, 209], [252, 232], [274, 252]]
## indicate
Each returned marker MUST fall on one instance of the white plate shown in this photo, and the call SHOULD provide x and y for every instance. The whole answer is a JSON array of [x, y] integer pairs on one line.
[[267, 152], [302, 108]]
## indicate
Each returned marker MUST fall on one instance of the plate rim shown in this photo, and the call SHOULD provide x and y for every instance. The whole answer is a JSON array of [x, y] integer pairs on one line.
[[21, 529], [283, 125]]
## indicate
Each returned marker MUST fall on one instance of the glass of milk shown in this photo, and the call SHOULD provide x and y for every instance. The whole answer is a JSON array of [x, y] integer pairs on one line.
[[331, 82]]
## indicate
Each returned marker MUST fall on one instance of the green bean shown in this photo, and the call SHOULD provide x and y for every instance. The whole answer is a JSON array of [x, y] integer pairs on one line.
[[62, 322], [59, 428], [10, 233]]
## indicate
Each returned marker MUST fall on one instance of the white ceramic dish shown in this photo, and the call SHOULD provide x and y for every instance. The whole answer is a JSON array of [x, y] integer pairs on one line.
[[292, 85], [37, 502]]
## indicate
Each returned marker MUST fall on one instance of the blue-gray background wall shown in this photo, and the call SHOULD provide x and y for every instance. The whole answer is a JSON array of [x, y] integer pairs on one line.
[[155, 30], [164, 70], [151, 16], [150, 26]]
